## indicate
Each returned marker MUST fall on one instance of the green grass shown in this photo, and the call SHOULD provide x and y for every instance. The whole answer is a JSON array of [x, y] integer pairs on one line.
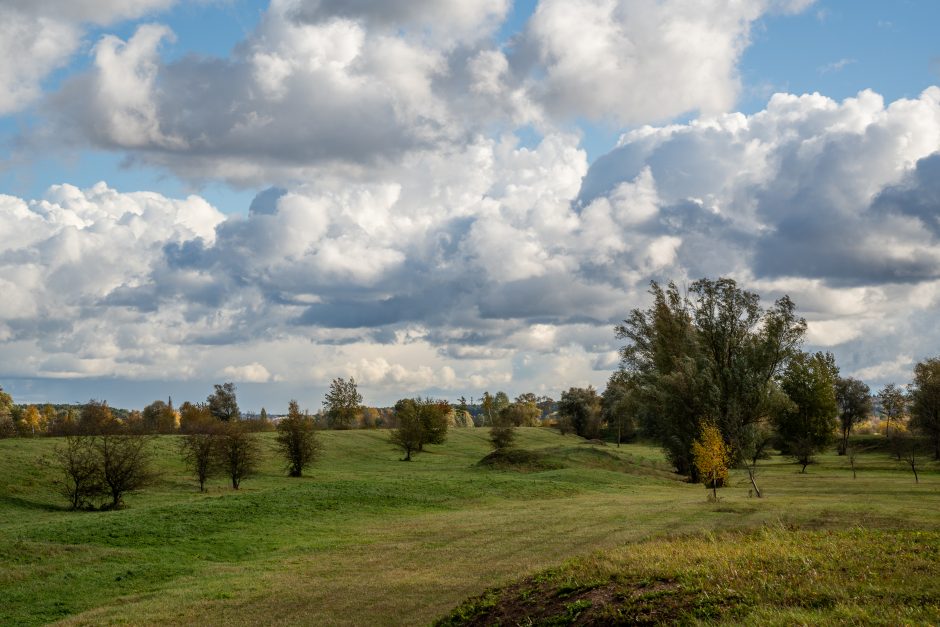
[[366, 539]]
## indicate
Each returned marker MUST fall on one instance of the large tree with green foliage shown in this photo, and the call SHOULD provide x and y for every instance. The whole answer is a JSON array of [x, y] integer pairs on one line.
[[854, 400], [581, 407], [521, 413], [222, 403], [712, 355], [342, 404], [420, 422], [809, 424], [925, 401]]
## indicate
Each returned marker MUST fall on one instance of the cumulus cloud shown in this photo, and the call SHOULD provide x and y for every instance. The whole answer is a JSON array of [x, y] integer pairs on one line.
[[510, 266], [326, 89], [249, 373], [39, 36], [639, 61]]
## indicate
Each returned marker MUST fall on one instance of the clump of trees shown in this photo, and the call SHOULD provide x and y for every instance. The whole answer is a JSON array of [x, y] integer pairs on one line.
[[807, 424], [713, 355], [99, 470], [925, 402], [420, 422], [580, 411]]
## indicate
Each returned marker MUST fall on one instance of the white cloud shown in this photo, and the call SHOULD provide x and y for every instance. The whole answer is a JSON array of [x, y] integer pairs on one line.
[[639, 61], [39, 36], [249, 373], [492, 264]]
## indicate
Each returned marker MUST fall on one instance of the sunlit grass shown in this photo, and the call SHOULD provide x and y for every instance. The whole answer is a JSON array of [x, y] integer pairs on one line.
[[367, 539]]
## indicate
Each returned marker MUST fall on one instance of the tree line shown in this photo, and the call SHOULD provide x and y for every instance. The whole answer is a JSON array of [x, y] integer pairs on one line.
[[712, 375]]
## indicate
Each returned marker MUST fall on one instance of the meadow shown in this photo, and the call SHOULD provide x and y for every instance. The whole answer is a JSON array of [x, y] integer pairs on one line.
[[365, 539]]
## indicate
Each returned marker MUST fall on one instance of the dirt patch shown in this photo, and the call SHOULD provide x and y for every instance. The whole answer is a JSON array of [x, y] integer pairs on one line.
[[614, 602]]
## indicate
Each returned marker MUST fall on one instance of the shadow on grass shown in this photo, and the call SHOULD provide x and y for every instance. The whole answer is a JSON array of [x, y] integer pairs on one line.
[[21, 503]]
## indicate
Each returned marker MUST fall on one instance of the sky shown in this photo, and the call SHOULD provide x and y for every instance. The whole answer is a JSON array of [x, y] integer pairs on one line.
[[442, 197]]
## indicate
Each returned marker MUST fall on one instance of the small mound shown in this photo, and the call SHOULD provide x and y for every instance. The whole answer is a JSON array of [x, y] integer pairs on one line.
[[616, 601], [772, 575], [519, 460]]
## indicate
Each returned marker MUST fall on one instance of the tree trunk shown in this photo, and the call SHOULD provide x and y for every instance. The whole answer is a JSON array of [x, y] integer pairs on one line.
[[750, 475]]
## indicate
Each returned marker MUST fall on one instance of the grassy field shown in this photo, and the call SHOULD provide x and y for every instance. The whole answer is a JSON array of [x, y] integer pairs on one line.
[[366, 539]]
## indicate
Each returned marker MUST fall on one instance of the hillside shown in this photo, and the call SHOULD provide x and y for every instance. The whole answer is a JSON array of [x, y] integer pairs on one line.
[[366, 539]]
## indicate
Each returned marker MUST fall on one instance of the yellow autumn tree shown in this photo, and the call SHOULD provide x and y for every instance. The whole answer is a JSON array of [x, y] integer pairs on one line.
[[33, 420], [711, 457]]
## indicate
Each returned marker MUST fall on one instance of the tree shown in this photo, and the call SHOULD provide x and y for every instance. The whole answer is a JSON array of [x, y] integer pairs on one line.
[[711, 458], [521, 413], [854, 400], [488, 409], [237, 452], [905, 444], [297, 440], [421, 421], [503, 430], [712, 355], [809, 424], [159, 417], [925, 402], [435, 420], [582, 407], [7, 427], [893, 406], [409, 435], [198, 452], [125, 465], [618, 405], [222, 403], [80, 472], [745, 349], [343, 404], [196, 418], [96, 418], [371, 418], [33, 421]]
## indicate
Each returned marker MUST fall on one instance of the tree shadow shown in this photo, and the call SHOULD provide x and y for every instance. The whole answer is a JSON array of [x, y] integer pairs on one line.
[[21, 503]]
